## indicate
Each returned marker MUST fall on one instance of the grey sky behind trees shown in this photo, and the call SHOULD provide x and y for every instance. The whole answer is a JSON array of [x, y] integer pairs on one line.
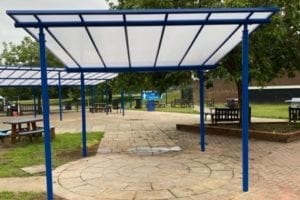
[[8, 33]]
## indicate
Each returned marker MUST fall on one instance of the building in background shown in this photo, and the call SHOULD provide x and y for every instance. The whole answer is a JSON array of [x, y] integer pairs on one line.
[[277, 91]]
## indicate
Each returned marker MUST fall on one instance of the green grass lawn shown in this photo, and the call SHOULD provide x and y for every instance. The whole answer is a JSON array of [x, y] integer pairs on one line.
[[277, 111], [171, 95], [20, 196], [169, 109], [24, 196], [177, 109], [65, 148], [51, 101]]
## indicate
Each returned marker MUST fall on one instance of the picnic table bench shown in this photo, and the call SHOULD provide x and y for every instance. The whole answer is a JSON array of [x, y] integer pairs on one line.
[[31, 130], [227, 114]]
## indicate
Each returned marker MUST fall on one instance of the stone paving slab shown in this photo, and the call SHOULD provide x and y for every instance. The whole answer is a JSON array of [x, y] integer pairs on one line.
[[34, 169], [171, 176], [23, 184], [188, 174]]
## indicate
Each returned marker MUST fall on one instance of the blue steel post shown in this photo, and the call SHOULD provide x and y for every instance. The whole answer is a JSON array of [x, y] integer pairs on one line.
[[201, 105], [92, 99], [122, 102], [82, 91], [245, 108], [47, 138], [59, 97], [106, 97], [34, 103]]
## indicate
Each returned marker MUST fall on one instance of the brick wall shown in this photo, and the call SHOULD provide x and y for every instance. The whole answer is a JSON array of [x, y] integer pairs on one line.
[[219, 92], [226, 89]]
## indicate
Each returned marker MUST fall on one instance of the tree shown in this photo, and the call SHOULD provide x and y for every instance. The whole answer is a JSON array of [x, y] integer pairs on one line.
[[25, 54], [160, 81], [274, 48]]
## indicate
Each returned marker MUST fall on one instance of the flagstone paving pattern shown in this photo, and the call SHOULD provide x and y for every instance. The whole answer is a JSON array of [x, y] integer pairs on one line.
[[139, 158], [170, 176]]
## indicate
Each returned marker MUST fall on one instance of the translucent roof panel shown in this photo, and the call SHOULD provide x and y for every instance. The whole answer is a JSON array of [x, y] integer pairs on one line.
[[31, 76], [232, 41], [141, 40], [106, 38], [141, 54], [175, 42], [212, 38], [77, 41]]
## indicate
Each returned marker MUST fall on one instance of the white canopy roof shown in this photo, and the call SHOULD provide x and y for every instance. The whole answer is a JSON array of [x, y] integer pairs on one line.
[[31, 76], [141, 40]]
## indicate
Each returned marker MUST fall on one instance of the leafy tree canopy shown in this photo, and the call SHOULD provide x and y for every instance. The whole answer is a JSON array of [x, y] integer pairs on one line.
[[274, 48], [25, 54]]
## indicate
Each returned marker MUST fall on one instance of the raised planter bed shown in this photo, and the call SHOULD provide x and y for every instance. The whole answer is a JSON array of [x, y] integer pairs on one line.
[[285, 134]]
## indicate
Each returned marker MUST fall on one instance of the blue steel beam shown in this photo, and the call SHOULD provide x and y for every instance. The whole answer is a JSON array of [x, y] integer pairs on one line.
[[141, 11], [160, 40], [140, 23], [63, 48], [225, 41], [56, 79], [201, 105], [93, 42], [245, 108], [34, 101], [39, 21], [122, 102], [47, 137], [59, 97], [126, 39], [92, 98], [83, 117], [221, 45], [140, 69], [21, 68], [193, 41], [106, 97]]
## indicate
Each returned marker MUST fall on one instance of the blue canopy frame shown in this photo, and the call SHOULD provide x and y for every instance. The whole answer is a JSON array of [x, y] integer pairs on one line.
[[126, 19], [21, 76]]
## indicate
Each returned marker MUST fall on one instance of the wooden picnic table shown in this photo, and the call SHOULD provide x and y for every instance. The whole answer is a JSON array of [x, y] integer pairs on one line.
[[16, 126]]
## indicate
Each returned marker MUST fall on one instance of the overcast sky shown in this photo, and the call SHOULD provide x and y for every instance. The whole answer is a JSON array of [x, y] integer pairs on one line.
[[9, 33]]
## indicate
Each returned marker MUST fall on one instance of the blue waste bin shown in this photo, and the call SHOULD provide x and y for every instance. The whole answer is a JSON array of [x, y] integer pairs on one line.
[[151, 105]]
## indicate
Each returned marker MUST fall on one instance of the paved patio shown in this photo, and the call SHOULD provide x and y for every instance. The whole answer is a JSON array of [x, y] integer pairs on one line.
[[140, 158]]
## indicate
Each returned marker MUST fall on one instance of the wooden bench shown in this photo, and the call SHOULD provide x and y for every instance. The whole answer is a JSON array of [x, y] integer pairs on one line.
[[211, 112], [227, 114], [27, 108], [35, 134], [294, 114], [100, 107], [32, 134], [182, 102]]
